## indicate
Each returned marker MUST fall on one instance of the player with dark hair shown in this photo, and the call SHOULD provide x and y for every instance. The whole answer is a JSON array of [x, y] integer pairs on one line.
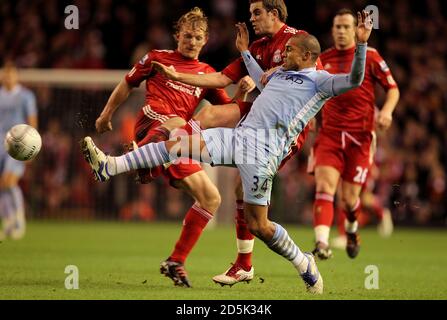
[[268, 19], [344, 146]]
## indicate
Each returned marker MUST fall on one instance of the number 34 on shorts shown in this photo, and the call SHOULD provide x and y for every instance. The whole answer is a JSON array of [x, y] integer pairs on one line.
[[260, 184]]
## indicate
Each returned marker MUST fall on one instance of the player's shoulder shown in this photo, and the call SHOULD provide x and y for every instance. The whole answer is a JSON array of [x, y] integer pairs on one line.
[[206, 67], [293, 31], [372, 52], [155, 54], [26, 92]]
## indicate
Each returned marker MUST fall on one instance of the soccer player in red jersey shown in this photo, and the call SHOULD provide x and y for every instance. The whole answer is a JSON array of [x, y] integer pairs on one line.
[[268, 18], [170, 104], [344, 147]]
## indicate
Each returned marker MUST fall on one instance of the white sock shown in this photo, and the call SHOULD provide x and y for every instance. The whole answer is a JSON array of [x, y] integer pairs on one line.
[[117, 165], [300, 262], [351, 227], [322, 234], [245, 246]]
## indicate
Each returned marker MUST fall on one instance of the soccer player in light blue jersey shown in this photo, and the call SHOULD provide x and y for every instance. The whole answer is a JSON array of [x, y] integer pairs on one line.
[[291, 97], [17, 105]]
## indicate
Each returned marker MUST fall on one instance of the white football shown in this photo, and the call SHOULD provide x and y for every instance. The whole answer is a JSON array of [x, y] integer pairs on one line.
[[23, 142]]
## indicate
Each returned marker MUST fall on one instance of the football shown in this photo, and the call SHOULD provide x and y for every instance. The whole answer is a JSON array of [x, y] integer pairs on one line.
[[23, 142]]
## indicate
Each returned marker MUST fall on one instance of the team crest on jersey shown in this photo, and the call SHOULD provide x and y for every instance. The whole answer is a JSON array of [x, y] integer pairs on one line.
[[327, 66], [384, 66], [277, 56], [258, 57], [143, 60]]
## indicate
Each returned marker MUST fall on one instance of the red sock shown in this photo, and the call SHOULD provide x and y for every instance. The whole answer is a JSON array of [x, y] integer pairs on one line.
[[195, 221], [323, 209], [242, 233]]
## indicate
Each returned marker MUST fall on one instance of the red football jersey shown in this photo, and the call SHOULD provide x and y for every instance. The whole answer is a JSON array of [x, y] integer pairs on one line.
[[354, 110], [267, 51], [173, 97]]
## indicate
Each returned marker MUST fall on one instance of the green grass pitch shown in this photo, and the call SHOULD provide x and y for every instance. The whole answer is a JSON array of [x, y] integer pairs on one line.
[[121, 261]]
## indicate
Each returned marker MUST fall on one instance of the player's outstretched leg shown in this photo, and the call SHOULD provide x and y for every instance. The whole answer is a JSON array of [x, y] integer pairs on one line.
[[104, 167]]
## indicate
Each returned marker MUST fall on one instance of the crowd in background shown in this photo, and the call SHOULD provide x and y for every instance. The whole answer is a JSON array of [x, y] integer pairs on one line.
[[114, 34]]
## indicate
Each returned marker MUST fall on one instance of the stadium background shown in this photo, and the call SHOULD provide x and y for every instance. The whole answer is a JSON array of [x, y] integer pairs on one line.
[[114, 34]]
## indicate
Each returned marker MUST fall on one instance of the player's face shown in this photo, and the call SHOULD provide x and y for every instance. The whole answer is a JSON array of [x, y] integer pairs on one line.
[[294, 57], [261, 20], [343, 31], [190, 41], [10, 77]]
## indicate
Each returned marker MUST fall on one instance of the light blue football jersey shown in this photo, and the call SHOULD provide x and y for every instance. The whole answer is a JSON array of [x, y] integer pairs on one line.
[[291, 98], [15, 108]]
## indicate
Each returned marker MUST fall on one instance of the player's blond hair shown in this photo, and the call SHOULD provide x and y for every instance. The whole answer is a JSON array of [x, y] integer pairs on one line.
[[195, 18]]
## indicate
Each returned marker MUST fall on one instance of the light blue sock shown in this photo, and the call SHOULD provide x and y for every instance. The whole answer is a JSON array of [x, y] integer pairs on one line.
[[283, 245], [148, 156]]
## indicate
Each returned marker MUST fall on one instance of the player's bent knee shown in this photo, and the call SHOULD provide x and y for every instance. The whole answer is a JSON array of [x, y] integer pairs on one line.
[[211, 201], [325, 186]]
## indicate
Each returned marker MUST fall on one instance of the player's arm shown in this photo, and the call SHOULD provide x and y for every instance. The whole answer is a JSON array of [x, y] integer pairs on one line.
[[208, 80], [242, 41], [383, 76], [118, 96], [244, 87], [385, 116]]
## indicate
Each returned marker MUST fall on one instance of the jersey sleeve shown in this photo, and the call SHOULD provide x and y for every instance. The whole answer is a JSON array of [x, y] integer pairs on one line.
[[381, 72], [217, 96], [235, 70], [140, 71]]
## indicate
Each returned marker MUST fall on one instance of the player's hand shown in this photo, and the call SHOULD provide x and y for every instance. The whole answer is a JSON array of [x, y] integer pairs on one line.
[[103, 123], [246, 84], [384, 120], [364, 26], [242, 39], [266, 75], [168, 72]]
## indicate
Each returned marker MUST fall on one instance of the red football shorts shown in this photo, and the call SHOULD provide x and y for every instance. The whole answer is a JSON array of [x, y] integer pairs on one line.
[[351, 153], [148, 119]]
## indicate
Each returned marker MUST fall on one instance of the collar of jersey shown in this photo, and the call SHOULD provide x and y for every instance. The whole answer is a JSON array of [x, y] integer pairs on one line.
[[13, 91], [305, 70]]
